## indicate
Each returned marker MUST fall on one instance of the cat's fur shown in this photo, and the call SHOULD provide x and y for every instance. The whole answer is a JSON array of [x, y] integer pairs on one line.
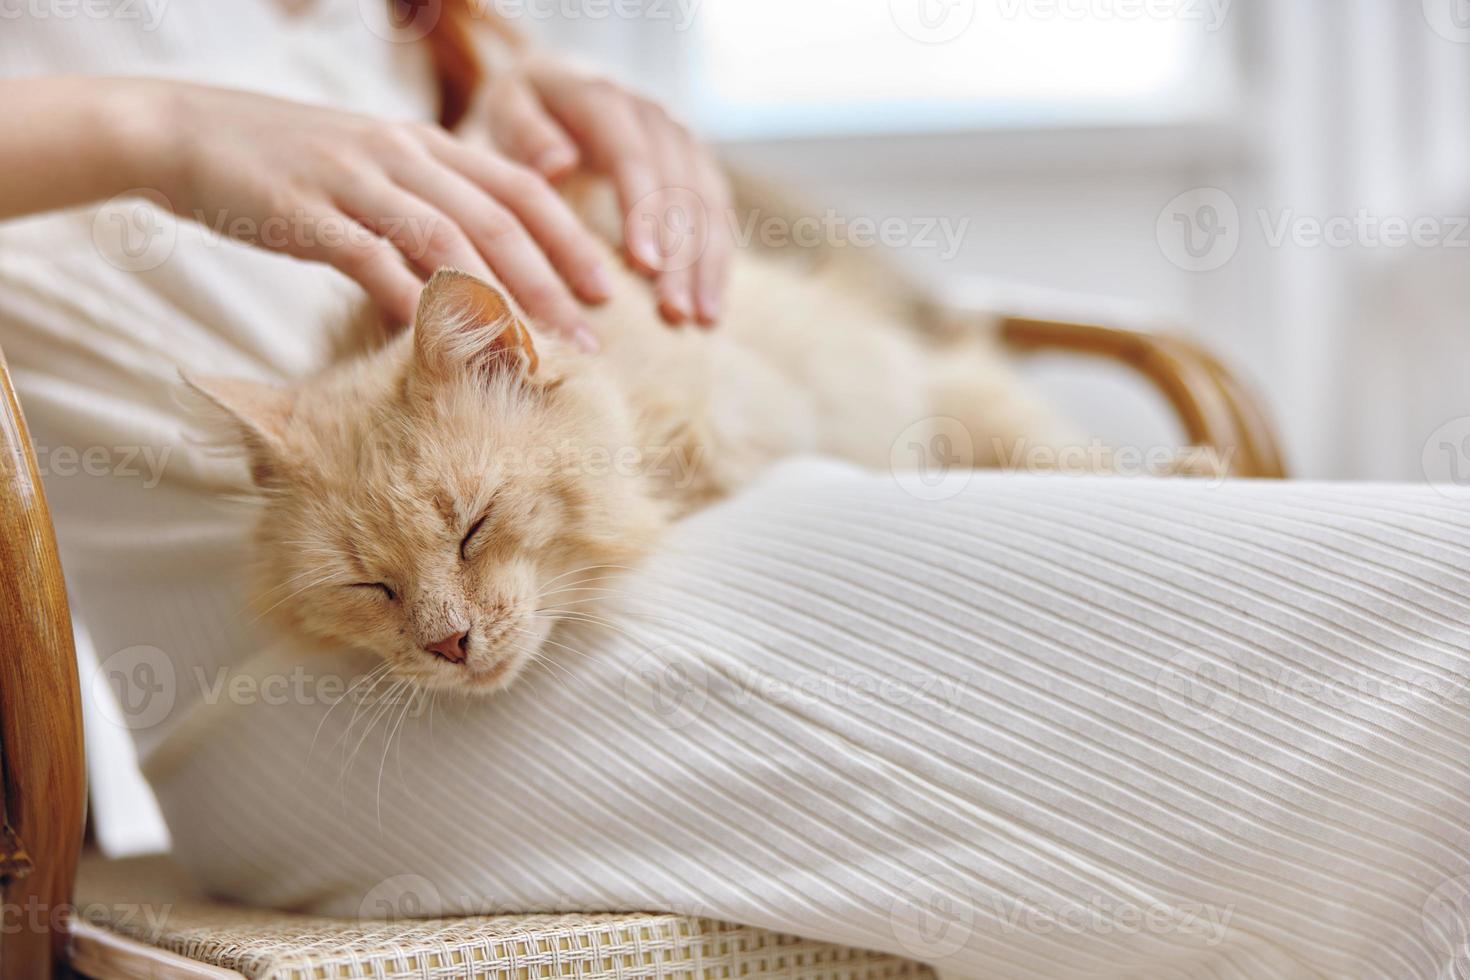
[[376, 471]]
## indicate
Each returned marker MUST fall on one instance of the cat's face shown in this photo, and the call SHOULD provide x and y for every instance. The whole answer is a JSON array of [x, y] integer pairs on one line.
[[432, 503]]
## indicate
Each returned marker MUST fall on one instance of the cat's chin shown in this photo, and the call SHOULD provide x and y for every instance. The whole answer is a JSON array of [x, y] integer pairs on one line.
[[496, 678], [488, 680]]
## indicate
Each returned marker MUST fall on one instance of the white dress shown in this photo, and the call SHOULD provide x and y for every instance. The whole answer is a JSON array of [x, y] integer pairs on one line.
[[1039, 728]]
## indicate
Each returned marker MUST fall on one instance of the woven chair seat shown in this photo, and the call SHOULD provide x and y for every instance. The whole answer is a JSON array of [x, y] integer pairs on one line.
[[144, 902]]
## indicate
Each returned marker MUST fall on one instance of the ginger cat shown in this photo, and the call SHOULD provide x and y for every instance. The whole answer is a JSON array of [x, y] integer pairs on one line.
[[437, 500]]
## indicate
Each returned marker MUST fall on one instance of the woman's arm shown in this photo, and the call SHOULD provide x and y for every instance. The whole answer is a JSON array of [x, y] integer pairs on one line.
[[70, 140], [384, 202]]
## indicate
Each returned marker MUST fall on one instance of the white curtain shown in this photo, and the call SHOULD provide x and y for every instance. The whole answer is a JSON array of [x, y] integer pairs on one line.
[[1364, 114]]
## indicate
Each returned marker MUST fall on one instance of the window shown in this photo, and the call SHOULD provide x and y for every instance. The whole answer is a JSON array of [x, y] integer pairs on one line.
[[828, 67]]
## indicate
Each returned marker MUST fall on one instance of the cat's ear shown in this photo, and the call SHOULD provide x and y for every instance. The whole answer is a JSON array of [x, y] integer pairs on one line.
[[465, 324], [258, 414]]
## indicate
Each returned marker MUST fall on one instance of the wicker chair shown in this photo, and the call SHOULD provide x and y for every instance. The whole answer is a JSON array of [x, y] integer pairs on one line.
[[94, 926]]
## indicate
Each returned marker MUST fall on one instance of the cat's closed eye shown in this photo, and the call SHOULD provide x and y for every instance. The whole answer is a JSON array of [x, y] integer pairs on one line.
[[377, 585], [464, 544]]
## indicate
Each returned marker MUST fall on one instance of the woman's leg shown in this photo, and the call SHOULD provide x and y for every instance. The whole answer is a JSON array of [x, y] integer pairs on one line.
[[1042, 728]]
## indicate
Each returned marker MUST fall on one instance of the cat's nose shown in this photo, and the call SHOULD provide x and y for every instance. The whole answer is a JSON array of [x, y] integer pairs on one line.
[[451, 648]]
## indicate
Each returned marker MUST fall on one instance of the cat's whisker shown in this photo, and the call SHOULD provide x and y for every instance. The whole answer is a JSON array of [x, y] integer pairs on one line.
[[584, 575], [608, 590], [362, 700], [575, 571], [319, 553], [372, 723], [290, 581], [582, 615], [588, 568], [562, 646], [551, 668], [373, 714], [576, 602], [310, 585], [375, 672], [419, 692], [588, 618], [542, 661], [387, 744], [600, 581], [383, 705]]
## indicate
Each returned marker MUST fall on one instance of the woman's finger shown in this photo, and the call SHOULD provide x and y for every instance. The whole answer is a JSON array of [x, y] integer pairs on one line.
[[426, 237], [603, 120], [525, 131], [713, 272], [500, 241], [362, 256], [572, 248], [682, 224]]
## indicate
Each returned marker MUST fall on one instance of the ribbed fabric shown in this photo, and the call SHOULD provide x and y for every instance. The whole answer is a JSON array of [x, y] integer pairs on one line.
[[1048, 728]]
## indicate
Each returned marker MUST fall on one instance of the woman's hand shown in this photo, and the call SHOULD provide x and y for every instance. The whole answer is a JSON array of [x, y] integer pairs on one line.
[[673, 193], [386, 203]]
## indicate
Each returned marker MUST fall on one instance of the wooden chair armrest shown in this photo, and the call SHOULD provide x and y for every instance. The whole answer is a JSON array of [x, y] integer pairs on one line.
[[1216, 410], [41, 752]]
